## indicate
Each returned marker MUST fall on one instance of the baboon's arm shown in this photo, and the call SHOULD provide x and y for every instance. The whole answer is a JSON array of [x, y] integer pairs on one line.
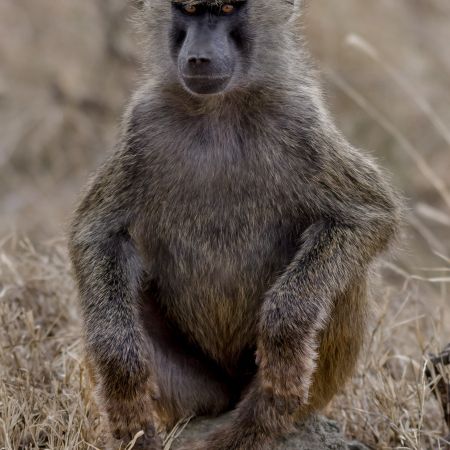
[[108, 272], [298, 306], [357, 216]]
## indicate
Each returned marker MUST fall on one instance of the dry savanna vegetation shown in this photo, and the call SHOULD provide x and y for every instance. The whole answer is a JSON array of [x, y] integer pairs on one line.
[[66, 69]]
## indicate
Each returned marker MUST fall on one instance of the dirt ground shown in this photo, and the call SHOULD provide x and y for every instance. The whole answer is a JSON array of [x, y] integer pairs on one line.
[[66, 71]]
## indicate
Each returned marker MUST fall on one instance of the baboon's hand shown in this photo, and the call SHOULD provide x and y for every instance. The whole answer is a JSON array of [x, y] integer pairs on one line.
[[281, 383], [149, 441], [131, 414], [285, 372]]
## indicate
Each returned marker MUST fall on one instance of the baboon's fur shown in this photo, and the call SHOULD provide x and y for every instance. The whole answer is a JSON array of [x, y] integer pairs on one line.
[[222, 228]]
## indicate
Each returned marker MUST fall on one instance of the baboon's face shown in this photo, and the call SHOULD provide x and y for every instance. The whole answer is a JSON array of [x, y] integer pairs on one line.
[[210, 44]]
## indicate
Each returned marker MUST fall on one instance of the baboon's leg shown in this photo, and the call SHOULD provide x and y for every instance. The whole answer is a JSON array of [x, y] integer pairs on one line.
[[189, 384]]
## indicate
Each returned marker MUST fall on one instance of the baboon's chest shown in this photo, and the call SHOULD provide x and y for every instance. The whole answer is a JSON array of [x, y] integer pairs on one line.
[[220, 231], [225, 224], [217, 252]]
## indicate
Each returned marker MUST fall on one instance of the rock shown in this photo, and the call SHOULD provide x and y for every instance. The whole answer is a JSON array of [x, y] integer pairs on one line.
[[317, 433]]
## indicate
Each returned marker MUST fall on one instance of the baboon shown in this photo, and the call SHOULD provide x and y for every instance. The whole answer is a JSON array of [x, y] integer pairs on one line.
[[223, 251]]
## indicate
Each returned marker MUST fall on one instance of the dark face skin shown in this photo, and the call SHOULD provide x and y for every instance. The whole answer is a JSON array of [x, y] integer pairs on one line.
[[209, 45]]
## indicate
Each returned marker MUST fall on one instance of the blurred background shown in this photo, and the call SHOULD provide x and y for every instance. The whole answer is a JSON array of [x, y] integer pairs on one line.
[[67, 69]]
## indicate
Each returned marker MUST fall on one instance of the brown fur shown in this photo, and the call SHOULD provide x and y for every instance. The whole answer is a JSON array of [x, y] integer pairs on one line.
[[223, 251]]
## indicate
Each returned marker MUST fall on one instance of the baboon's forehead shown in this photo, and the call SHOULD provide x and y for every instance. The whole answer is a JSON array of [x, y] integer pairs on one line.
[[275, 8], [221, 2], [196, 2]]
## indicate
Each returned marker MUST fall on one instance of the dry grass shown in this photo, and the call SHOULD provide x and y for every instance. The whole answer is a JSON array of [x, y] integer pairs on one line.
[[44, 401], [390, 403], [45, 397], [390, 91]]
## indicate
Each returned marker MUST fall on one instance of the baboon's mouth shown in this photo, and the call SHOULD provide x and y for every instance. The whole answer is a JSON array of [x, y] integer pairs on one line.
[[206, 77], [206, 84]]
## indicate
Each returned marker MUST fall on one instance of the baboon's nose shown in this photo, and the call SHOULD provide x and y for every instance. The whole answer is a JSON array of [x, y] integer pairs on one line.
[[198, 60]]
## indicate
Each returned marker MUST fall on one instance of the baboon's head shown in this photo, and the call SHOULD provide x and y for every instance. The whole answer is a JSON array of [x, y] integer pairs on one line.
[[214, 46], [210, 44]]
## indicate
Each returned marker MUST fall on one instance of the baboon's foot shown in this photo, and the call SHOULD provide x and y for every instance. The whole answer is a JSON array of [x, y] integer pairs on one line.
[[230, 439], [150, 440]]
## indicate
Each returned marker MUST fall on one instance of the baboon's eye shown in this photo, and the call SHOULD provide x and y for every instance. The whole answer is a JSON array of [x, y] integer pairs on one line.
[[189, 9], [227, 9]]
